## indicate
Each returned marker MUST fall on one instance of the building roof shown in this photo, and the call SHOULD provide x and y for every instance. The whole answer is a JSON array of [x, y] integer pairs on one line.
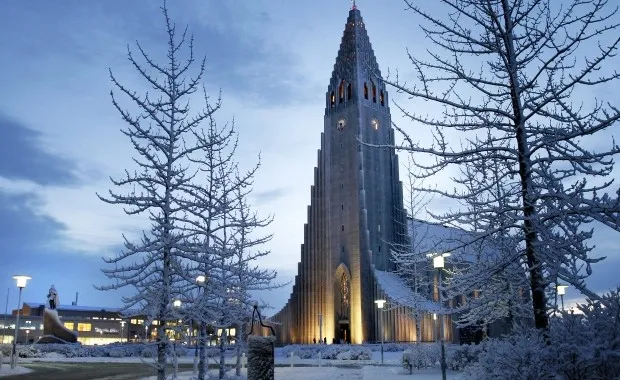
[[105, 309], [401, 294]]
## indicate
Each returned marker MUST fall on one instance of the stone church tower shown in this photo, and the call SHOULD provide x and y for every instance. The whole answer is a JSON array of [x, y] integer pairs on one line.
[[356, 210]]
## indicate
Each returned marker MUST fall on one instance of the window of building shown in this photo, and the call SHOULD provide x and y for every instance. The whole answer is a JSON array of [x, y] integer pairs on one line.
[[349, 91], [342, 206], [378, 227], [342, 186], [84, 327], [374, 93], [365, 91], [342, 228], [382, 98], [68, 325], [379, 248], [341, 92], [332, 99]]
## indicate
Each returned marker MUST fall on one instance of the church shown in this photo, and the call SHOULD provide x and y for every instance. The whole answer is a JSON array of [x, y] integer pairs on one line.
[[355, 215]]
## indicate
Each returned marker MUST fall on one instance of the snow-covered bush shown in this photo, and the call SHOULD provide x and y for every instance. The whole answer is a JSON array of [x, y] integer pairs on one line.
[[329, 352], [587, 346], [355, 353], [424, 355], [459, 357], [522, 356]]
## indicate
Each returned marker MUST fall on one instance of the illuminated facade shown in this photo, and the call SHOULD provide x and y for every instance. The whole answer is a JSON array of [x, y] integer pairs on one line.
[[355, 213]]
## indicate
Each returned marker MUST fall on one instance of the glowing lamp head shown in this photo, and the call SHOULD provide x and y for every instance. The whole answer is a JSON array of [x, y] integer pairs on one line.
[[176, 303], [122, 323], [438, 262], [21, 280], [434, 316], [201, 279], [380, 303], [562, 289]]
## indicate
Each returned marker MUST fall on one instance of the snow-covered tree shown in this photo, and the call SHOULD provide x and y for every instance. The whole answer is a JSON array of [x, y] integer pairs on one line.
[[160, 129], [221, 231], [514, 81]]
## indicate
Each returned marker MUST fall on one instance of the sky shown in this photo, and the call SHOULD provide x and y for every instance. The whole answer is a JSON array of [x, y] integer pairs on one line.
[[60, 138]]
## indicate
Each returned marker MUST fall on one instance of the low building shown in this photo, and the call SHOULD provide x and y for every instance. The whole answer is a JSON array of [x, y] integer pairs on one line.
[[94, 325]]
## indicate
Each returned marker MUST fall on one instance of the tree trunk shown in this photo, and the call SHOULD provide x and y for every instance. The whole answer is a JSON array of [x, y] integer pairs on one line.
[[223, 354], [161, 351], [202, 351]]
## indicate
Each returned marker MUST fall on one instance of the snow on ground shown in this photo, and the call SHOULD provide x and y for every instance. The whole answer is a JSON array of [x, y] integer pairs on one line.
[[7, 371], [344, 373]]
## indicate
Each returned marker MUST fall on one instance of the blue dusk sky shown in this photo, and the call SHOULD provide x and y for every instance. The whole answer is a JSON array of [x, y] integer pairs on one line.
[[60, 138]]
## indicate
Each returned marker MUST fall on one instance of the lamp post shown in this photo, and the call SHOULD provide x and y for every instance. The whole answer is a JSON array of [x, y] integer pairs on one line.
[[122, 329], [438, 263], [200, 281], [21, 284], [561, 291], [6, 311], [380, 304]]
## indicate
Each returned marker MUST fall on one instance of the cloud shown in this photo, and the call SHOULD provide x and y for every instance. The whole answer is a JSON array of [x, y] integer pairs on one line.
[[23, 157], [269, 195]]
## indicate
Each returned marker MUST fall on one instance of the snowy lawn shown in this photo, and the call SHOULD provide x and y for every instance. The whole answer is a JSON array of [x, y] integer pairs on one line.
[[341, 373], [7, 371]]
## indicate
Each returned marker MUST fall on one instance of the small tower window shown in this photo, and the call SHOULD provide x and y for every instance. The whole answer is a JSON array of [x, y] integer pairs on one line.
[[374, 93], [349, 91], [332, 99], [365, 91], [382, 98], [342, 206], [342, 228], [341, 92]]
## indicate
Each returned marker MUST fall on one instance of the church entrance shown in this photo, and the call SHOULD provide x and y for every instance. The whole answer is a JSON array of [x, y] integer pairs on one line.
[[343, 305], [344, 332]]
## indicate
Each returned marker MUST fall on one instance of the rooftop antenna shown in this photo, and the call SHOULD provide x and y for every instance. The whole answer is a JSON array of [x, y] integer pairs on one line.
[[353, 4]]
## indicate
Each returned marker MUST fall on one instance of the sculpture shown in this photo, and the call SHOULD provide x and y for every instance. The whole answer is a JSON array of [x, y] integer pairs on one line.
[[53, 329], [52, 298]]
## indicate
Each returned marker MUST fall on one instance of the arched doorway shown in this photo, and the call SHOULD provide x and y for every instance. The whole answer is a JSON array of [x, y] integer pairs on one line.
[[343, 305]]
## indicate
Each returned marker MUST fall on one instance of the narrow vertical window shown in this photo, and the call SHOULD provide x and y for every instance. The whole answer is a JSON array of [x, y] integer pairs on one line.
[[342, 228], [365, 91], [332, 99], [374, 93], [341, 92], [342, 186], [349, 91], [342, 206], [379, 248], [382, 98]]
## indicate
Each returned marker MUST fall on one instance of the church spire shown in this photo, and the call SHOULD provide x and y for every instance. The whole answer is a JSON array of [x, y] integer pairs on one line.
[[356, 70]]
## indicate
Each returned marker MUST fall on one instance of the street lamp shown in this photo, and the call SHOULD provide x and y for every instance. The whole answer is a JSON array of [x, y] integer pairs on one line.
[[21, 284], [200, 281], [439, 263], [561, 291], [122, 329], [380, 304]]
